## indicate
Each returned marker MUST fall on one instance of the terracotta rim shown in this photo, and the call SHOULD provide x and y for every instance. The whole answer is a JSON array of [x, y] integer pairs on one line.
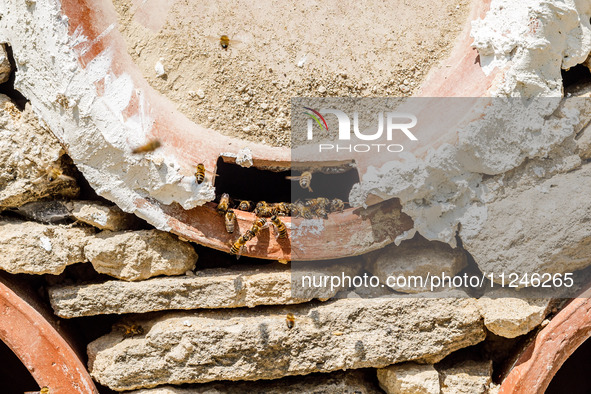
[[41, 348]]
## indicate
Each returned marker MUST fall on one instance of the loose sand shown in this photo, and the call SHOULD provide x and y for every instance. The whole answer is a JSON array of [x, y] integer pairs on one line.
[[286, 49]]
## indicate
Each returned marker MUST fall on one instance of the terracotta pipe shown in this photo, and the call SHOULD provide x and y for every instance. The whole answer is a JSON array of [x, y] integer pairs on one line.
[[190, 143], [34, 339]]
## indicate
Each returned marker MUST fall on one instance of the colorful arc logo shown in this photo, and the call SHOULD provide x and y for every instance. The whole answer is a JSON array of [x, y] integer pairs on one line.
[[316, 115]]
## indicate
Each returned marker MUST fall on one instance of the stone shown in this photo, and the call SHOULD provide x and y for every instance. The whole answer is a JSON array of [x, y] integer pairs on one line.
[[252, 344], [5, 67], [466, 377], [584, 143], [46, 211], [35, 248], [545, 228], [509, 314], [416, 257], [138, 255], [234, 287], [102, 215], [355, 381], [409, 378], [27, 151]]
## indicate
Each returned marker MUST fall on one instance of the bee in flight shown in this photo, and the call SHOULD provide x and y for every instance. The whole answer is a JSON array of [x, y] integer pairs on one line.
[[280, 226], [200, 173], [224, 204], [54, 172], [237, 246], [305, 180], [290, 320], [132, 330], [224, 41], [229, 219], [150, 146]]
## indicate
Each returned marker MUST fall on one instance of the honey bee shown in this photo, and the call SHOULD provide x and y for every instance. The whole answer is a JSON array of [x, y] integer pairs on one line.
[[245, 205], [319, 206], [281, 229], [131, 330], [224, 204], [280, 209], [290, 320], [44, 390], [255, 228], [55, 172], [337, 205], [237, 246], [305, 180], [224, 41], [282, 261], [200, 173], [263, 209], [150, 146], [229, 219]]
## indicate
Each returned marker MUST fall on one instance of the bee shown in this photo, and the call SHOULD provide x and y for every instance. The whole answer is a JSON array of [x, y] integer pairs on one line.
[[200, 173], [337, 205], [282, 261], [290, 320], [256, 227], [224, 204], [319, 206], [55, 172], [238, 245], [263, 209], [280, 209], [337, 333], [229, 219], [281, 229], [44, 390], [132, 330], [305, 180], [245, 205], [306, 212], [150, 146], [224, 41]]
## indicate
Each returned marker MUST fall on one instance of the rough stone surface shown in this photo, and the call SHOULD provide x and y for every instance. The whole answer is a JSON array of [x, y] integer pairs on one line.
[[508, 316], [409, 378], [531, 229], [137, 255], [349, 382], [467, 377], [212, 288], [416, 257], [199, 347], [584, 143], [102, 216], [34, 248], [5, 67], [26, 152]]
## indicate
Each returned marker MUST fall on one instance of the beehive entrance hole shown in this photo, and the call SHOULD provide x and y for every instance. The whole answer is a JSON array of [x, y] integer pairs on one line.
[[579, 74], [256, 184], [573, 377], [7, 87], [14, 375]]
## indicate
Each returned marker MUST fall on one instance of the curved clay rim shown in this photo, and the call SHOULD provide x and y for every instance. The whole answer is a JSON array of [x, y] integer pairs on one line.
[[460, 75], [40, 347]]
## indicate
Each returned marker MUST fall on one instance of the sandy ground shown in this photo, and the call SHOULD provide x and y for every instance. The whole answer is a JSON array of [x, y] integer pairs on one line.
[[283, 50]]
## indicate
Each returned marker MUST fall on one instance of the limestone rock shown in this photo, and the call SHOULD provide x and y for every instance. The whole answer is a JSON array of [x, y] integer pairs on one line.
[[235, 287], [584, 143], [51, 212], [102, 216], [416, 257], [544, 228], [409, 378], [26, 152], [467, 377], [5, 67], [137, 255], [252, 344], [34, 248], [355, 381], [512, 314]]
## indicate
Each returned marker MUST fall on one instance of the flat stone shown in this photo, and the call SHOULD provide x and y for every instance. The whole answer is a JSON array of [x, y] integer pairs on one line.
[[252, 344], [510, 315], [416, 257], [51, 212], [5, 67], [27, 150], [234, 287], [467, 377], [102, 216], [409, 378], [355, 381], [35, 248], [137, 255], [545, 227]]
